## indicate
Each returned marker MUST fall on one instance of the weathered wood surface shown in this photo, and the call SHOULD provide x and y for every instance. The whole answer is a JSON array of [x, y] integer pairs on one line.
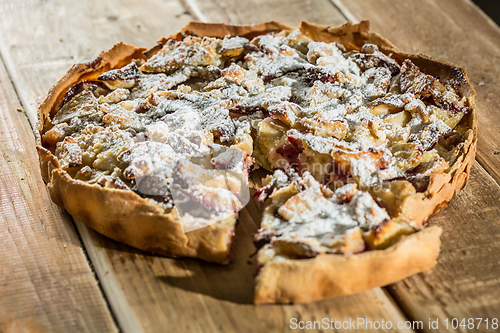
[[149, 293], [256, 11], [46, 283], [466, 281]]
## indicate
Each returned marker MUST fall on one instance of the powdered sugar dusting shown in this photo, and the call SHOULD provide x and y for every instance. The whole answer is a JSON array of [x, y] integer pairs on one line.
[[302, 102]]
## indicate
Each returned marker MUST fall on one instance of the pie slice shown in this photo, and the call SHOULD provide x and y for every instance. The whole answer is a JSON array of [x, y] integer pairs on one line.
[[362, 144]]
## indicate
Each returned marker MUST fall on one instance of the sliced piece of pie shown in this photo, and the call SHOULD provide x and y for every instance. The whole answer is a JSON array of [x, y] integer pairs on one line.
[[363, 143]]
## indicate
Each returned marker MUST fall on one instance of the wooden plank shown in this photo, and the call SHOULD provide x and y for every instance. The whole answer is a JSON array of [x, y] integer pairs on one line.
[[149, 293], [451, 30], [465, 283], [157, 294], [46, 284], [256, 11], [51, 285]]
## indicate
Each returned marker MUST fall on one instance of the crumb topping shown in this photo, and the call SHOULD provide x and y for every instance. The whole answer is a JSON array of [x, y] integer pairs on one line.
[[332, 125]]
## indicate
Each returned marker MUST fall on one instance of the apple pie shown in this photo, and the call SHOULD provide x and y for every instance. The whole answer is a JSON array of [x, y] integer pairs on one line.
[[361, 144]]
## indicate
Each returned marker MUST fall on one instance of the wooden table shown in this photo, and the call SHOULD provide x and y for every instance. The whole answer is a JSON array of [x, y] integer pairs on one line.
[[57, 275]]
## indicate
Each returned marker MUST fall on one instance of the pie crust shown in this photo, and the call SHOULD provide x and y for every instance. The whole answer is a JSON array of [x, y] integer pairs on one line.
[[126, 217]]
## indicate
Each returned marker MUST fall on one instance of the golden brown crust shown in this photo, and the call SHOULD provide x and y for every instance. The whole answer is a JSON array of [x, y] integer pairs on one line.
[[117, 56], [126, 217], [352, 36], [330, 275], [221, 30]]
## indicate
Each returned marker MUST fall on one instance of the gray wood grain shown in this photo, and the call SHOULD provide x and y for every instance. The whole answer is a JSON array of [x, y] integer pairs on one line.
[[46, 283]]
